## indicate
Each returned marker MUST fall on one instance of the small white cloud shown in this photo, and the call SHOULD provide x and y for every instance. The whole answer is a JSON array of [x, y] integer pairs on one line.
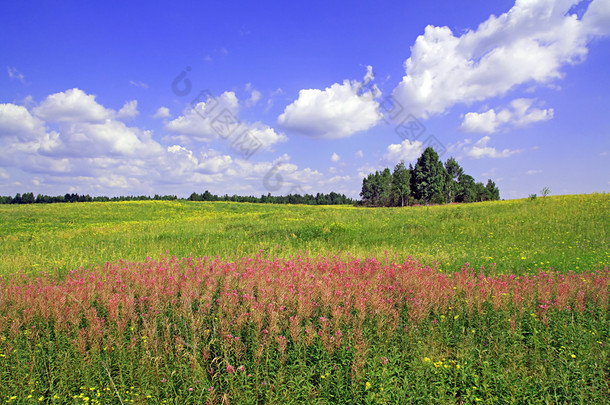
[[337, 179], [28, 100], [273, 94], [265, 134], [255, 95], [13, 73], [129, 110], [335, 157], [519, 114], [406, 150], [4, 174], [533, 171], [359, 154], [138, 84], [603, 154], [486, 122], [339, 111], [480, 150], [162, 112], [366, 170]]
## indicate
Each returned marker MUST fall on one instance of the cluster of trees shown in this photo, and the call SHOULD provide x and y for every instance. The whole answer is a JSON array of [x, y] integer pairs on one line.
[[430, 181], [319, 199]]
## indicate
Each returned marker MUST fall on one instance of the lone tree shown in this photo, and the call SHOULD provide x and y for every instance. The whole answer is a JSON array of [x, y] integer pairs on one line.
[[401, 183], [452, 187], [493, 193], [429, 176]]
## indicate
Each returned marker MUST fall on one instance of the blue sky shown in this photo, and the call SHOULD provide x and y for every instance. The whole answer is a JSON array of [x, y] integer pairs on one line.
[[301, 97]]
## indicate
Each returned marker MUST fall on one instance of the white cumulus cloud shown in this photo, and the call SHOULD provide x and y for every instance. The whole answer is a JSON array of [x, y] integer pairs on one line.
[[162, 112], [407, 151], [530, 43], [519, 114], [198, 122], [73, 105], [16, 120], [108, 157], [339, 111], [481, 150], [129, 110], [218, 118]]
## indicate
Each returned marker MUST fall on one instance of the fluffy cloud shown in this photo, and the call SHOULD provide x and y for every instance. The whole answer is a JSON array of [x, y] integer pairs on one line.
[[528, 44], [17, 121], [486, 122], [265, 134], [335, 157], [519, 114], [72, 106], [218, 117], [162, 112], [337, 112], [129, 110], [597, 18], [407, 151], [481, 150], [106, 156], [198, 122], [87, 134], [101, 139]]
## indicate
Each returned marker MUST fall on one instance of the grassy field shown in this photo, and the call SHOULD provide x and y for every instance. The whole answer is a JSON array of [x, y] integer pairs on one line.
[[519, 236], [188, 303]]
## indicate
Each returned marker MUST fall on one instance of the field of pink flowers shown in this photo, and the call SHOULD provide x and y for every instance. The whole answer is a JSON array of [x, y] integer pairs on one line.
[[303, 329]]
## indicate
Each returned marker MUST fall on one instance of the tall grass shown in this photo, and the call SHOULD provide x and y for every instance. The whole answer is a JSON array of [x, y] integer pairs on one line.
[[303, 330]]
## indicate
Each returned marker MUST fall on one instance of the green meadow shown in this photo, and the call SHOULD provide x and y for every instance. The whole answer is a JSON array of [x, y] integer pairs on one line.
[[177, 302], [517, 236]]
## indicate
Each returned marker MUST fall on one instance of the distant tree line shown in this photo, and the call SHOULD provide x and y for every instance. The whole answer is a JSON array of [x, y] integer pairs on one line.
[[28, 198], [308, 199], [430, 181], [319, 199]]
